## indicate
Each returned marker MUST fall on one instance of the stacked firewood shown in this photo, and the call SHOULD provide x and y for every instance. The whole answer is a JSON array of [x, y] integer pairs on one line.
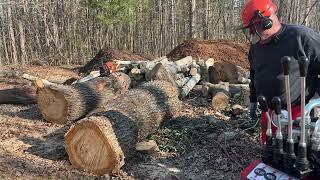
[[184, 73]]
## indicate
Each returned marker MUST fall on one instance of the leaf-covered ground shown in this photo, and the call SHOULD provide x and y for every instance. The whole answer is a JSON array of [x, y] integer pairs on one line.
[[197, 144]]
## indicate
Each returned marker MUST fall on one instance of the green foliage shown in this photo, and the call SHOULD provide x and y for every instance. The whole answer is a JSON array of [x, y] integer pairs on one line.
[[118, 11]]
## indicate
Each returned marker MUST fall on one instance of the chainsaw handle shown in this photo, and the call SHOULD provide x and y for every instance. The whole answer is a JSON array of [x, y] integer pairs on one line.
[[303, 62], [286, 65], [276, 105], [263, 103]]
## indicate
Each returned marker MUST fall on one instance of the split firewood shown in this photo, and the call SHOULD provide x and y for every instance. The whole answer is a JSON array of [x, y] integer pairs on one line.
[[128, 62], [190, 84], [34, 78], [160, 59], [209, 89], [102, 143], [179, 76], [204, 66], [183, 81], [24, 96], [187, 61], [92, 75], [63, 103]]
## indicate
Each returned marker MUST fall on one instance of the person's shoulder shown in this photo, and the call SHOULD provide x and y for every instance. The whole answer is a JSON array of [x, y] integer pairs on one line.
[[299, 30]]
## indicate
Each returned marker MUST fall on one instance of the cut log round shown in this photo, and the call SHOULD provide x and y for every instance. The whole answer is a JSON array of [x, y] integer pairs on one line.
[[60, 103], [220, 101], [193, 71], [102, 142]]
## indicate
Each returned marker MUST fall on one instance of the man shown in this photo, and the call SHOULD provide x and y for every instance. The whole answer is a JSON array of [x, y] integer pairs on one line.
[[271, 40]]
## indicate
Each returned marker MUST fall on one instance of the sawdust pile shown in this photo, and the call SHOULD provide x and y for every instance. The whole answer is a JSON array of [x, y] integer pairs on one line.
[[219, 50]]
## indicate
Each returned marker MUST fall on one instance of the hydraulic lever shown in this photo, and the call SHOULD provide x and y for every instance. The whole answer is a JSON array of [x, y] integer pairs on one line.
[[302, 163], [268, 149], [278, 150], [289, 156]]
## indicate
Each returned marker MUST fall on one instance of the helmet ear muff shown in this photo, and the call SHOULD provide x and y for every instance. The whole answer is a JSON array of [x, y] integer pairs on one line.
[[266, 23]]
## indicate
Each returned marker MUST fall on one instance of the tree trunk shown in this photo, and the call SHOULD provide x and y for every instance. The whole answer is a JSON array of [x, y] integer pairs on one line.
[[61, 104], [100, 143]]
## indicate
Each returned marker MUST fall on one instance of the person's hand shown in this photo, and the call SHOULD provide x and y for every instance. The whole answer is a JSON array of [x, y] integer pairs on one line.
[[253, 111]]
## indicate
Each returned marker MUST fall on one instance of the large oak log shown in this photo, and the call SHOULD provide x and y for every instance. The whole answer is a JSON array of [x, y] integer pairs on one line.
[[23, 95], [101, 143], [159, 72], [61, 103]]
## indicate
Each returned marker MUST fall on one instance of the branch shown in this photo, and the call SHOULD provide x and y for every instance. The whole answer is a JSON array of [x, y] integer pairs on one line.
[[313, 5]]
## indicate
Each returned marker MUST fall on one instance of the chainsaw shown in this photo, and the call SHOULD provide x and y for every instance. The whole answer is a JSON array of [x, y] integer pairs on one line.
[[291, 153]]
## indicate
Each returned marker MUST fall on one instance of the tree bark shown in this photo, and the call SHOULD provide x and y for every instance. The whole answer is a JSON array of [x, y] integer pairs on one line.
[[61, 103], [103, 142], [22, 96]]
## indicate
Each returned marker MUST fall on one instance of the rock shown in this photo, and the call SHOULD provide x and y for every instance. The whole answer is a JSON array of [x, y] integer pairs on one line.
[[237, 109], [220, 101], [227, 72], [148, 147], [226, 136]]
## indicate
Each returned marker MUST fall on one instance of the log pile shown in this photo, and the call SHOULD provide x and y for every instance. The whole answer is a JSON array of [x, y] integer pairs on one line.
[[127, 120]]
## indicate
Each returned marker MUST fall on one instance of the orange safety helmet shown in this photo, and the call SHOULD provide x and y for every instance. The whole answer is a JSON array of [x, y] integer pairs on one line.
[[265, 7]]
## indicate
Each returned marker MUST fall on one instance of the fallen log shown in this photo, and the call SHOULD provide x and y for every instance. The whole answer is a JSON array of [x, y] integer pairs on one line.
[[189, 85], [34, 78], [22, 96], [103, 142], [61, 103], [209, 89]]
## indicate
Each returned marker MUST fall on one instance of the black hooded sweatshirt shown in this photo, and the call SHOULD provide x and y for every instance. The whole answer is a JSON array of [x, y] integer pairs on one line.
[[266, 71]]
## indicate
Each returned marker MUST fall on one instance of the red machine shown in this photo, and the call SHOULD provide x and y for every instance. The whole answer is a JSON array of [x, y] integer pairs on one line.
[[290, 153]]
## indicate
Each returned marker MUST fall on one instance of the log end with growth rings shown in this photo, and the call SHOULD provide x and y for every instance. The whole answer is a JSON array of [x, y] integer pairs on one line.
[[92, 146], [53, 105]]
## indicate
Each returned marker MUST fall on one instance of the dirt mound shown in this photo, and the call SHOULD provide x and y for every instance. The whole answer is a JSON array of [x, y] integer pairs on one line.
[[219, 50], [109, 54]]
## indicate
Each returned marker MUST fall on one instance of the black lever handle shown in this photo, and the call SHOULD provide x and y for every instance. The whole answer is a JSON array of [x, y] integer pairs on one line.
[[286, 64], [303, 62], [263, 103], [276, 105]]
